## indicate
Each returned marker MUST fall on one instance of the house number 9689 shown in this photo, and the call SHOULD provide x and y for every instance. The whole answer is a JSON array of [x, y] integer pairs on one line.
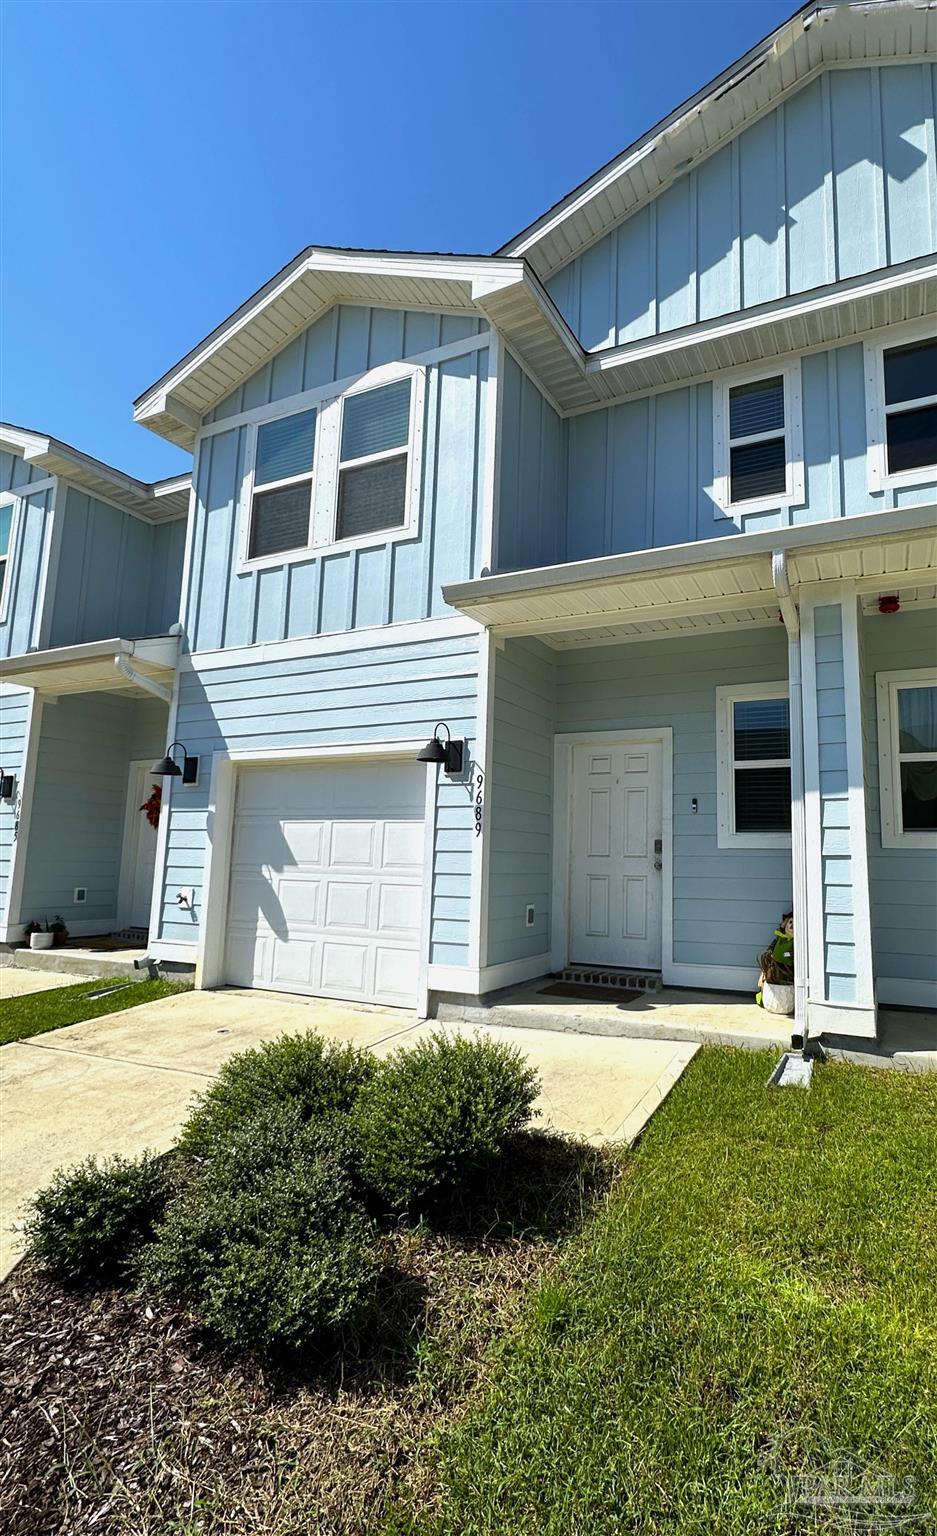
[[479, 803]]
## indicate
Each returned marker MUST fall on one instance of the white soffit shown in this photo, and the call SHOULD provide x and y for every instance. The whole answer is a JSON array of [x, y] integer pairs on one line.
[[713, 585], [91, 667], [817, 36], [159, 501]]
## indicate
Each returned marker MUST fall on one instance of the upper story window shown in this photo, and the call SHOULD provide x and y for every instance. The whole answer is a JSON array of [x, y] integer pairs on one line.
[[281, 501], [341, 473], [901, 409], [754, 766], [907, 757], [757, 441], [372, 472]]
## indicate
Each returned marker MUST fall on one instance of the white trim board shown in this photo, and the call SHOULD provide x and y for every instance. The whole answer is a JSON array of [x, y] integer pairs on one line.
[[794, 493], [371, 638], [564, 742], [887, 687], [26, 780], [726, 697], [880, 478]]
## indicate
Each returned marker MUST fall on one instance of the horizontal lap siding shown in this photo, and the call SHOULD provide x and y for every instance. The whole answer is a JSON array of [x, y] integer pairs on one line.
[[390, 693], [727, 902], [15, 705], [86, 744], [520, 802], [840, 179], [903, 881], [839, 944], [359, 588]]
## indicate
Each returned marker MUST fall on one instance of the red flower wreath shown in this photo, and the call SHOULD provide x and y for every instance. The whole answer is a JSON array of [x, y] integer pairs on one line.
[[152, 806]]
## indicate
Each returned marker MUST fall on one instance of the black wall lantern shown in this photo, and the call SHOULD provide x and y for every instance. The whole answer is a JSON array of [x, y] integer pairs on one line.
[[7, 784], [449, 752], [166, 768]]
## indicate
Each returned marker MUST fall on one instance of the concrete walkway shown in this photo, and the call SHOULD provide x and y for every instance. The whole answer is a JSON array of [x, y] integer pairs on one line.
[[123, 1083], [15, 982]]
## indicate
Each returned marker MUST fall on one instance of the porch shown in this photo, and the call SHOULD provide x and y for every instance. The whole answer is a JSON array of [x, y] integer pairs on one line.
[[85, 850], [688, 743]]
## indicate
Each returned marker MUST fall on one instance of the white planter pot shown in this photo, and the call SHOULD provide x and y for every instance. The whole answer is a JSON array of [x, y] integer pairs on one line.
[[41, 940], [777, 998]]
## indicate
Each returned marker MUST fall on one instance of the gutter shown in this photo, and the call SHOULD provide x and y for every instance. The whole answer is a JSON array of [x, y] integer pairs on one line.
[[149, 684], [791, 617]]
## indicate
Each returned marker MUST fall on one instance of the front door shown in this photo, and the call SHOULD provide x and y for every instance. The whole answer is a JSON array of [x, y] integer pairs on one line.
[[139, 855], [616, 857]]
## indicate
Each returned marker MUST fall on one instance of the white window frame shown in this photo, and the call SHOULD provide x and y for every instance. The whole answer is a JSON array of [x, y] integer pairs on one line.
[[323, 518], [880, 478], [887, 687], [9, 499], [726, 698], [794, 493]]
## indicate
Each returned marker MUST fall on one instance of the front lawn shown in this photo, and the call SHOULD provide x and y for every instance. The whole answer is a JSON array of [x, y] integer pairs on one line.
[[37, 1012], [760, 1295]]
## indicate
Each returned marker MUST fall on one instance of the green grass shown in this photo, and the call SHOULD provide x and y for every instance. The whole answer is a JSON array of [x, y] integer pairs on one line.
[[759, 1294], [38, 1012]]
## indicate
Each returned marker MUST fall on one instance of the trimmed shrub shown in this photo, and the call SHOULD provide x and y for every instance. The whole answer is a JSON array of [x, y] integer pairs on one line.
[[266, 1245], [318, 1078], [89, 1225], [437, 1113]]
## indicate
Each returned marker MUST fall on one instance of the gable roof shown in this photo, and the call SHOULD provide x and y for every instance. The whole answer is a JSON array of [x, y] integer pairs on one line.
[[159, 501], [815, 37]]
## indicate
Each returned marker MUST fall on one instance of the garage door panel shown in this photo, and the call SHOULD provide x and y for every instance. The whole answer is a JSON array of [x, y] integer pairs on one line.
[[326, 880], [352, 844]]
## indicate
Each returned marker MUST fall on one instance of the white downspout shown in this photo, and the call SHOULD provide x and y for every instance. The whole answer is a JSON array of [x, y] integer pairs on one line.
[[791, 617], [141, 680]]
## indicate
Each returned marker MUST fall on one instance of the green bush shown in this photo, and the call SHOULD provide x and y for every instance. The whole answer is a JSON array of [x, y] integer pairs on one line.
[[89, 1225], [437, 1113], [266, 1245], [318, 1078]]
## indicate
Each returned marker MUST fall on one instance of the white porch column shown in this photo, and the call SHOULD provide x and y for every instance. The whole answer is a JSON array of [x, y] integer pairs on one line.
[[840, 987]]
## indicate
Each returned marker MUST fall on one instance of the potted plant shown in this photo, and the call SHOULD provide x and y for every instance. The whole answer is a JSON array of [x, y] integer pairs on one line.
[[58, 930], [776, 982], [40, 935]]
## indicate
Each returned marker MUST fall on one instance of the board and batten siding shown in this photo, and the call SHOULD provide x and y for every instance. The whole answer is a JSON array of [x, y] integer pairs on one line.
[[838, 180], [118, 575], [531, 527], [355, 588], [640, 474], [391, 692], [25, 562], [77, 820], [520, 801], [902, 881], [15, 707]]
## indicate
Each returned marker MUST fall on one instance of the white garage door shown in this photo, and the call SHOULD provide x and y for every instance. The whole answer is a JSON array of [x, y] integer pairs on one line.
[[326, 880]]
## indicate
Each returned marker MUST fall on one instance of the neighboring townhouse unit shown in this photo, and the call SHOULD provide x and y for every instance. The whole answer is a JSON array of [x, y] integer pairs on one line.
[[90, 567], [640, 513]]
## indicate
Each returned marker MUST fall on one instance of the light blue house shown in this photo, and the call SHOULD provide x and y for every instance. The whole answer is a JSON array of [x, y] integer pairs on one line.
[[641, 510]]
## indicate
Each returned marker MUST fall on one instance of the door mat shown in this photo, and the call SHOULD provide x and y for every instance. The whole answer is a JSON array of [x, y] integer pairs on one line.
[[589, 994]]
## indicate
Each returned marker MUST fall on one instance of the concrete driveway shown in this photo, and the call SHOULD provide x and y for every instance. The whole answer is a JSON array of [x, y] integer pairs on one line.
[[123, 1083]]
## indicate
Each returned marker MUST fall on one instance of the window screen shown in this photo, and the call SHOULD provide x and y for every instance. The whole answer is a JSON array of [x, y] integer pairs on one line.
[[372, 477], [280, 520], [911, 406], [757, 444], [917, 756], [283, 460], [761, 765]]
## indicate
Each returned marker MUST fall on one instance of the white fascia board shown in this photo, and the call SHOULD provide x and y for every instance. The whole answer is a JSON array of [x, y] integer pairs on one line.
[[851, 290], [160, 651], [157, 399], [112, 484], [719, 551]]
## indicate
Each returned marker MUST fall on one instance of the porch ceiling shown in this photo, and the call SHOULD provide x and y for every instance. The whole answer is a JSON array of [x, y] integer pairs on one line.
[[100, 666], [716, 584]]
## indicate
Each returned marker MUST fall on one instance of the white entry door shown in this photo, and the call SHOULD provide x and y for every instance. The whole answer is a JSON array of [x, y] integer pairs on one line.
[[138, 859], [616, 857], [327, 879]]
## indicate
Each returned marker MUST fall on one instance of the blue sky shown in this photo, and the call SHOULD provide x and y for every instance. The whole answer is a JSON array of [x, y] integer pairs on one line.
[[161, 161]]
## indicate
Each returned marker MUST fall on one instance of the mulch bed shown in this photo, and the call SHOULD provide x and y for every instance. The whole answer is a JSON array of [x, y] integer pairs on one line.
[[118, 1416]]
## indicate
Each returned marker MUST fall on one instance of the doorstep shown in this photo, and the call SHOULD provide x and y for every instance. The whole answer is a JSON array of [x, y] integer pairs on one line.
[[76, 960]]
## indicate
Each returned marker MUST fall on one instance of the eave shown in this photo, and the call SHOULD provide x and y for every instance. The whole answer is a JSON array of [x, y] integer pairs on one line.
[[816, 37], [158, 502], [715, 584], [118, 665]]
